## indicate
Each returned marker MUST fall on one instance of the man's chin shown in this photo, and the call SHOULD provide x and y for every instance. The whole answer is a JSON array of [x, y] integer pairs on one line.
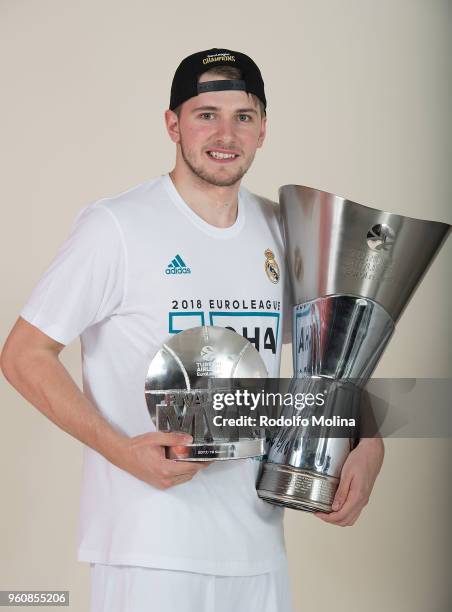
[[221, 178], [222, 182]]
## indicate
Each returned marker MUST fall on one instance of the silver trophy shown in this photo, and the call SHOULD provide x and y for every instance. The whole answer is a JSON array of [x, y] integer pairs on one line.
[[193, 368], [353, 270]]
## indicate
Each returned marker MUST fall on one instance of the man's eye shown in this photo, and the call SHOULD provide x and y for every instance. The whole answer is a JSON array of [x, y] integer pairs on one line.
[[244, 118], [206, 116]]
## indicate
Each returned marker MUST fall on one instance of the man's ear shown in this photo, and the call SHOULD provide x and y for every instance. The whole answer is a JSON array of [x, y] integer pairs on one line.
[[172, 125], [260, 140]]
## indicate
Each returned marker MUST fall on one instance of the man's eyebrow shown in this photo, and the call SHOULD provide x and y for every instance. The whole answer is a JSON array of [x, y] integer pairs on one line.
[[215, 108], [205, 108]]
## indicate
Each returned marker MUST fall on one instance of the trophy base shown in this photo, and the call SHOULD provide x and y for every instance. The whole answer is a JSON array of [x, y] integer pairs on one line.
[[218, 451], [284, 485]]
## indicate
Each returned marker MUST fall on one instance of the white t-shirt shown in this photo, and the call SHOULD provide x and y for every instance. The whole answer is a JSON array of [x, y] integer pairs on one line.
[[135, 269]]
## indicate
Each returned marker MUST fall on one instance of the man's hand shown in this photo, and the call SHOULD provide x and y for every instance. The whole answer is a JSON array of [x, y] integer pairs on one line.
[[30, 362], [143, 456], [357, 480]]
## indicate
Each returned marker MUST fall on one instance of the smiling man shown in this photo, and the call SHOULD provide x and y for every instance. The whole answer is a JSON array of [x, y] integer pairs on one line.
[[189, 248]]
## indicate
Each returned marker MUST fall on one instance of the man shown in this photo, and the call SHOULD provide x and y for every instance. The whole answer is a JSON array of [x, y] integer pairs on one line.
[[189, 248]]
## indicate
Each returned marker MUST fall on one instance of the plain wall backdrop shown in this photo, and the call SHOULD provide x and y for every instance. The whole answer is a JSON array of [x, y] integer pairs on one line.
[[360, 99]]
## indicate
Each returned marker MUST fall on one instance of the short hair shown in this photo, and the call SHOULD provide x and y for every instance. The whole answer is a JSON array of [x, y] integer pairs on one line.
[[229, 72]]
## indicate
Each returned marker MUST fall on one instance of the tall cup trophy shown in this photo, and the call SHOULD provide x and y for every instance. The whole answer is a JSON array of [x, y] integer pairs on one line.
[[183, 379], [353, 270]]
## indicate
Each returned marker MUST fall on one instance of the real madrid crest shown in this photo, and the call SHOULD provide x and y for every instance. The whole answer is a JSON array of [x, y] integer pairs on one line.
[[271, 267]]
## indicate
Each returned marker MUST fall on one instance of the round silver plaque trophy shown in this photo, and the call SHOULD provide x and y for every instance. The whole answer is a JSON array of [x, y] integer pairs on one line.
[[183, 380], [353, 270]]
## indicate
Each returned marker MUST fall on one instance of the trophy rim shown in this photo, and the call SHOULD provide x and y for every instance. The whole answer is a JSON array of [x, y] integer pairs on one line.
[[348, 201], [244, 448]]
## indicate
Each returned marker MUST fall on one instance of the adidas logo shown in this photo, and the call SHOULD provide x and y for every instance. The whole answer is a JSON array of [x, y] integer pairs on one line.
[[177, 266]]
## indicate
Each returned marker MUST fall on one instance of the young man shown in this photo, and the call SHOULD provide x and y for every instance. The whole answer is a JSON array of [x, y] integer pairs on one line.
[[188, 248]]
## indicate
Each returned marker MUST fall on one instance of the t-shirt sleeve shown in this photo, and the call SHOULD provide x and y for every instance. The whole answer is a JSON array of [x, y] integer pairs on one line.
[[84, 283]]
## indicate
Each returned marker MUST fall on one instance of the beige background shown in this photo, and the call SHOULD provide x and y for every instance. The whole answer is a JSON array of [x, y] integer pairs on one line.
[[359, 104]]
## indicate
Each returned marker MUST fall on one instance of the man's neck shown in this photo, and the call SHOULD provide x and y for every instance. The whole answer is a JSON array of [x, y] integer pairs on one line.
[[217, 206]]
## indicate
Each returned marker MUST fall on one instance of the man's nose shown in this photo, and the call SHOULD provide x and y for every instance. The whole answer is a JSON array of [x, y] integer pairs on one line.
[[225, 129]]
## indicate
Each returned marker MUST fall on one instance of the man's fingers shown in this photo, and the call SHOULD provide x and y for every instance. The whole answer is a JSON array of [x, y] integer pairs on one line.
[[180, 479], [342, 492], [334, 518], [170, 478], [354, 517], [170, 438], [351, 507], [179, 452], [340, 519], [149, 451], [170, 467]]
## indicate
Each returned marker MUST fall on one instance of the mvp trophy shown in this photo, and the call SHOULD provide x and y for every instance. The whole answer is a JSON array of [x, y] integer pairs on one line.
[[353, 270], [183, 379]]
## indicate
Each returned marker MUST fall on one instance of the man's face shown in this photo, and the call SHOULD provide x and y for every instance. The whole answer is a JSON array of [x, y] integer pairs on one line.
[[218, 133]]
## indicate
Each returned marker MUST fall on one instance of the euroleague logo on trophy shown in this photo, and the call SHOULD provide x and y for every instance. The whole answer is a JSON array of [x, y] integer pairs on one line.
[[380, 237], [208, 366], [207, 353]]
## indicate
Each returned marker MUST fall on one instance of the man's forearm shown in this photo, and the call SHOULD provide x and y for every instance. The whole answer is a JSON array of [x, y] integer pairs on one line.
[[42, 379], [375, 443], [374, 449]]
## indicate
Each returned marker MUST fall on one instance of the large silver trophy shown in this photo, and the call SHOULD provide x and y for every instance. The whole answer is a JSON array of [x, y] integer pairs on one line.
[[186, 375], [353, 270]]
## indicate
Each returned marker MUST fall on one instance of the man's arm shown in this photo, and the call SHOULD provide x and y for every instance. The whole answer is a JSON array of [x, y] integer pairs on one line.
[[30, 362]]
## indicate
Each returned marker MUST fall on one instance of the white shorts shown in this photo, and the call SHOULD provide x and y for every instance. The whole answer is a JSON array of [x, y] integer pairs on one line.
[[125, 588]]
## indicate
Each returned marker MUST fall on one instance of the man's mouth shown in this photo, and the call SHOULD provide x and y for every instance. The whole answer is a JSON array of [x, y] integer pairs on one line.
[[222, 156]]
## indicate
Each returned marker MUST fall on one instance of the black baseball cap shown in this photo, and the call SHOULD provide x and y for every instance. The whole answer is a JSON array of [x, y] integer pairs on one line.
[[185, 81]]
